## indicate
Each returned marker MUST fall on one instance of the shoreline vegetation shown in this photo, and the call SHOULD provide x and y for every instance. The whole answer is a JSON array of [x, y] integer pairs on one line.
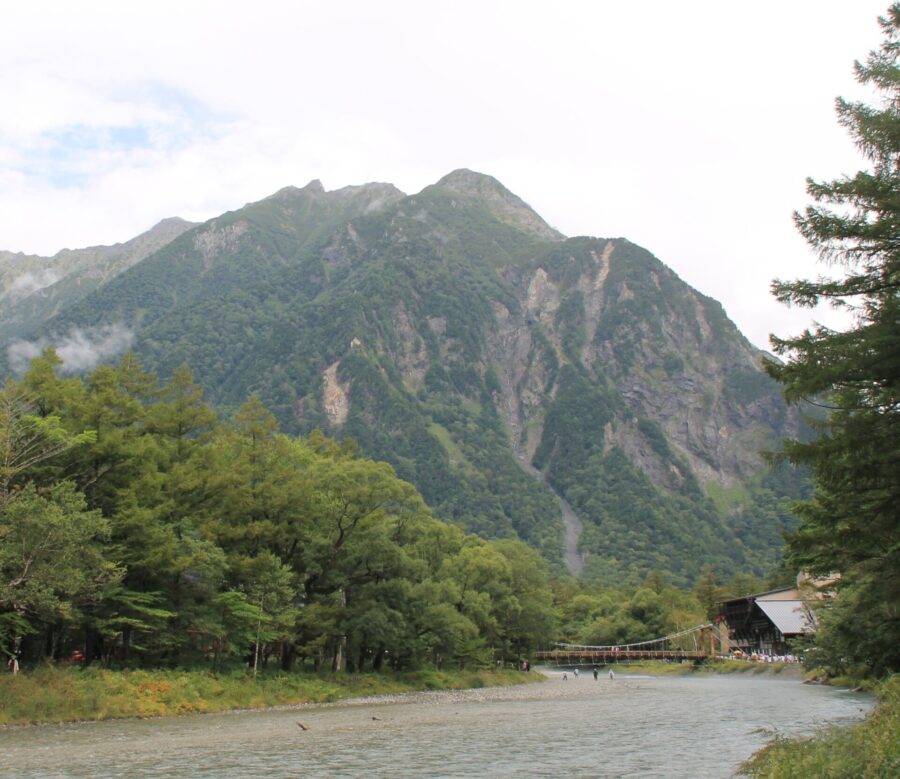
[[868, 750], [51, 695]]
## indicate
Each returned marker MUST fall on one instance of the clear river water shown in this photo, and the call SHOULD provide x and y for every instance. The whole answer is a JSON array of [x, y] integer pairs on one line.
[[631, 726]]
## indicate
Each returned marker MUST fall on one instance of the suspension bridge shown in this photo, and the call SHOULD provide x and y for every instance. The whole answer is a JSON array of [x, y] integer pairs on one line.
[[697, 644]]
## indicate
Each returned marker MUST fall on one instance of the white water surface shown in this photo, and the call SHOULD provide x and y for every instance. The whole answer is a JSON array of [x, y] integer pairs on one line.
[[632, 726]]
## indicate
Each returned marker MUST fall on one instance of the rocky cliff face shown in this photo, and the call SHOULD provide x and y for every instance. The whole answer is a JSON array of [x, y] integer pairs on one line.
[[671, 354], [498, 365]]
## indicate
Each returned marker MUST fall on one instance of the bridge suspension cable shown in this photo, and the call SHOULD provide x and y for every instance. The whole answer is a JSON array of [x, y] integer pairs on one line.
[[670, 647]]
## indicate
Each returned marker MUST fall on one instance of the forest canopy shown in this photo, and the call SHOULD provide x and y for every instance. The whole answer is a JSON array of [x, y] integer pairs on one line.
[[137, 528]]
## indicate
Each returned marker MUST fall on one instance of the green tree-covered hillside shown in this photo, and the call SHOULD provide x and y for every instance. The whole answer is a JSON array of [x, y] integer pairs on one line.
[[496, 364]]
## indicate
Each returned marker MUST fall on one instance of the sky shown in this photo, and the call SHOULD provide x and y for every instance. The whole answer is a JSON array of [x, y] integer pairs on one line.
[[688, 128]]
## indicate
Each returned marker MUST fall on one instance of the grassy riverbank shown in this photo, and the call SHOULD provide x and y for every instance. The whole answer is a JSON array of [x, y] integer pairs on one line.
[[870, 750], [656, 668], [53, 694]]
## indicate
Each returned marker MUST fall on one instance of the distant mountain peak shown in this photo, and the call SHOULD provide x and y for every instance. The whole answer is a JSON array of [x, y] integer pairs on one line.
[[175, 223], [173, 220], [503, 204], [374, 195], [471, 182], [314, 187]]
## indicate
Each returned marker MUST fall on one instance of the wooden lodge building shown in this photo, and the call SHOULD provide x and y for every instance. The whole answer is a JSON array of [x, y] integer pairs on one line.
[[763, 623]]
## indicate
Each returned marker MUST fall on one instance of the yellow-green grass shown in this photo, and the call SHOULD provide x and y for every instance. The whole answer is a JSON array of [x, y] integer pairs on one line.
[[456, 455], [651, 668], [656, 668], [870, 750], [745, 666], [51, 694]]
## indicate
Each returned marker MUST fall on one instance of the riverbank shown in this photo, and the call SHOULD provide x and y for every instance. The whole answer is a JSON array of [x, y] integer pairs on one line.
[[677, 727], [792, 671], [52, 694], [870, 750]]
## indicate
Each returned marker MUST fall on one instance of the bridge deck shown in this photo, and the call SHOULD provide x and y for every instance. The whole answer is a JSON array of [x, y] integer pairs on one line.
[[603, 656]]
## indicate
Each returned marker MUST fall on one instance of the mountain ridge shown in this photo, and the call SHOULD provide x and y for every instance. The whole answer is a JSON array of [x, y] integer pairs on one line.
[[34, 288], [458, 336]]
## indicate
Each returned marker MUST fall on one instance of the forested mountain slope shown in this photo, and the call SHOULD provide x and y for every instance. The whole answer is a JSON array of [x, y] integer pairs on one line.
[[456, 335], [33, 289]]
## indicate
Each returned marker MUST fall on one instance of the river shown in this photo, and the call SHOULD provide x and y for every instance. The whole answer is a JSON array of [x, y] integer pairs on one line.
[[630, 726]]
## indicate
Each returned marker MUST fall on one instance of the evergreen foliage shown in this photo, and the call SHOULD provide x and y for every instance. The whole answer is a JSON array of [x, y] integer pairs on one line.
[[851, 525]]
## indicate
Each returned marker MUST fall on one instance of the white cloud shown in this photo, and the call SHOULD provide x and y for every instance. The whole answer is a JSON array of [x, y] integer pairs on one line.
[[30, 282], [687, 129], [80, 349]]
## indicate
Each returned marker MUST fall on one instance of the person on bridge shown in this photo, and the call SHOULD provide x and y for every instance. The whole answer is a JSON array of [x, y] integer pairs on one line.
[[611, 674], [576, 673], [596, 673]]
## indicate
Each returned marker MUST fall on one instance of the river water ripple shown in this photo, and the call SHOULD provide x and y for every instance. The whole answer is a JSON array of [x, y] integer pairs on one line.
[[632, 726]]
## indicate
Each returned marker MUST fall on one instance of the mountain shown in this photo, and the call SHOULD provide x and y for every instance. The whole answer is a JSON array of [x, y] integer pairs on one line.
[[33, 289], [573, 392]]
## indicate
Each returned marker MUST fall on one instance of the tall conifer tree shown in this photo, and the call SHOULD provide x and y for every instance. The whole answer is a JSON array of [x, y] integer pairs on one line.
[[851, 526]]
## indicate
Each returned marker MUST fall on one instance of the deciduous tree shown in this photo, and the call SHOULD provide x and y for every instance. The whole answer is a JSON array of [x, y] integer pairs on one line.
[[51, 559]]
